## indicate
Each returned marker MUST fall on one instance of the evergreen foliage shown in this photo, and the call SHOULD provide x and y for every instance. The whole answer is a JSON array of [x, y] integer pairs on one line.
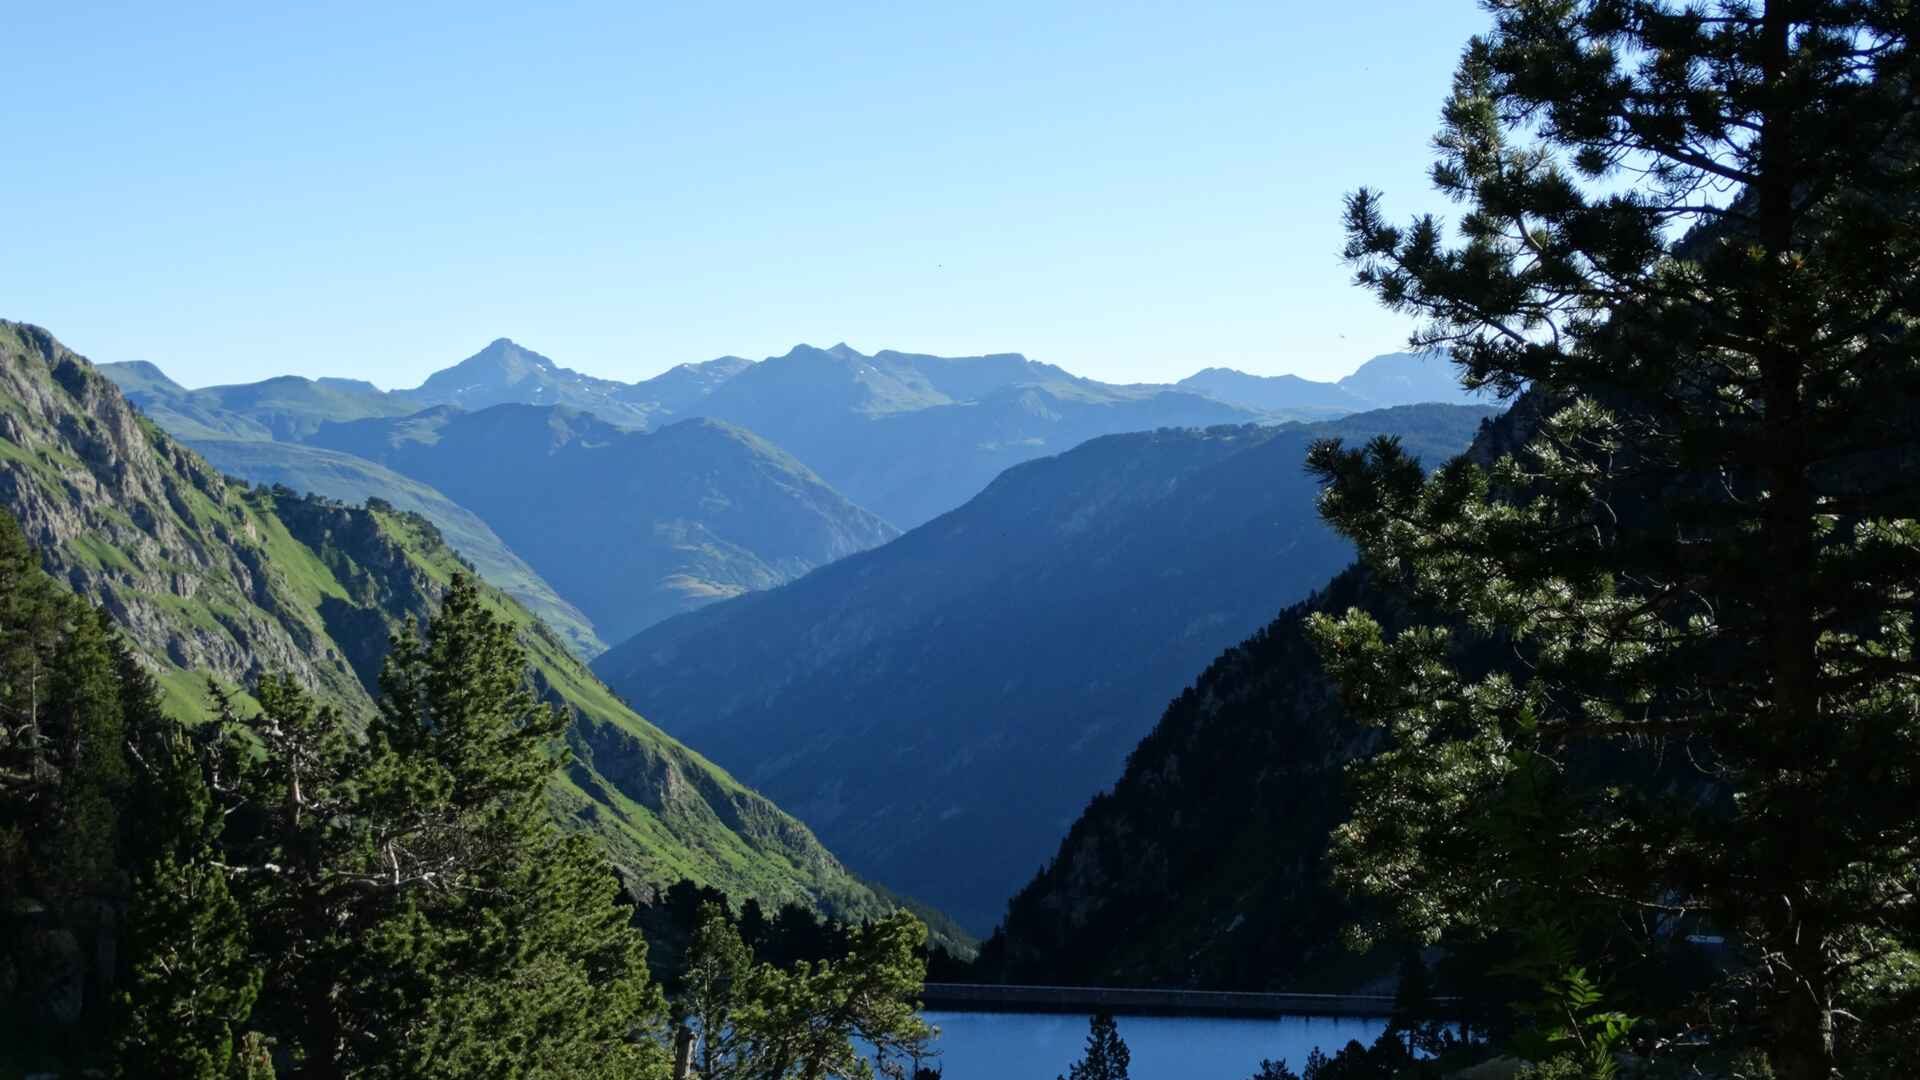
[[63, 771], [1106, 1057], [758, 1021], [1690, 231], [672, 919], [289, 890], [718, 966], [415, 908]]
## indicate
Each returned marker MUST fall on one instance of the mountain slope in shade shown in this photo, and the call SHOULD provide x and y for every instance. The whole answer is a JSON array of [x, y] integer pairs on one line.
[[208, 578], [910, 436], [1204, 865], [346, 478], [939, 709], [631, 526], [505, 373]]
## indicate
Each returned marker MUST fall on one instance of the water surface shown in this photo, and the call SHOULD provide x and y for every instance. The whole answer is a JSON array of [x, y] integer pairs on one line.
[[1040, 1046]]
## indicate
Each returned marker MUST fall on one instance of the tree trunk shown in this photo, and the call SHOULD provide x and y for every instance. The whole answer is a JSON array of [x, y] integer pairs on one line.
[[321, 1041], [1803, 1036], [683, 1054], [1803, 1023]]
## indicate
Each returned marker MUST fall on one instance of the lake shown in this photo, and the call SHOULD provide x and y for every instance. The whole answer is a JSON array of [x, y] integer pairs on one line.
[[1040, 1046]]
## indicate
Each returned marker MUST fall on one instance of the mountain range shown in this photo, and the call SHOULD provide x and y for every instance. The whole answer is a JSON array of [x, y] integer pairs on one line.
[[558, 487], [210, 579], [939, 708], [631, 526], [505, 373], [1382, 382], [911, 436]]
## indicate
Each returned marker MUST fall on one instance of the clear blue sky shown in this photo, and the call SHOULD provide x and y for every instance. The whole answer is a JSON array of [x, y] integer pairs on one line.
[[1133, 191]]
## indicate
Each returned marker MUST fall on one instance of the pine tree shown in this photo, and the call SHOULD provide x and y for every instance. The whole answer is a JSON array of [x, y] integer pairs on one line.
[[811, 1021], [35, 618], [517, 944], [193, 983], [63, 775], [192, 978], [718, 967], [1106, 1057], [1690, 234], [415, 907]]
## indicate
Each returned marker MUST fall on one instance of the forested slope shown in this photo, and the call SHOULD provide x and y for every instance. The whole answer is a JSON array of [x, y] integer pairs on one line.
[[1205, 863]]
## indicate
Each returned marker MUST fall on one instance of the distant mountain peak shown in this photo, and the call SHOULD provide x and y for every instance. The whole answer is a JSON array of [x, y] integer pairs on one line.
[[139, 375], [845, 352], [508, 350], [802, 351], [506, 372]]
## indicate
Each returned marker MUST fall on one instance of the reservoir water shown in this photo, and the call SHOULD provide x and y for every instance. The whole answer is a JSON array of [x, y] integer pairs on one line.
[[1040, 1046]]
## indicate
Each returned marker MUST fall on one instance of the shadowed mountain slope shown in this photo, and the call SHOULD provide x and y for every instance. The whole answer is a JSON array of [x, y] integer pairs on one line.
[[1204, 865], [941, 708]]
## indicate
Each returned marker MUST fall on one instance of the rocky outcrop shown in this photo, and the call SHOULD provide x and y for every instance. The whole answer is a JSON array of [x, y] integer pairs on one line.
[[139, 525]]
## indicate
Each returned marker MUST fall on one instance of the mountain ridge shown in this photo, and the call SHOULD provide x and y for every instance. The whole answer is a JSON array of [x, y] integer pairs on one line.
[[981, 413], [212, 579], [655, 522]]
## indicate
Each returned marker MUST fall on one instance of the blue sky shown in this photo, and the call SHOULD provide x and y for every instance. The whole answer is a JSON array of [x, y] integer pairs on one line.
[[1133, 191]]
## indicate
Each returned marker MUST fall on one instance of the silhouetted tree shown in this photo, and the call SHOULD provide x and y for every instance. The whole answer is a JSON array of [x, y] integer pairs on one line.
[[1106, 1056]]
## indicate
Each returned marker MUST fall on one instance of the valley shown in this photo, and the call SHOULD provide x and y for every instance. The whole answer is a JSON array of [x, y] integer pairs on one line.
[[721, 541], [939, 708]]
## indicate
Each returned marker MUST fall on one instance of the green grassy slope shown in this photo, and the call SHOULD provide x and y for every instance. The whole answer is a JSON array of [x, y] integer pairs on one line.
[[211, 578], [354, 479]]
